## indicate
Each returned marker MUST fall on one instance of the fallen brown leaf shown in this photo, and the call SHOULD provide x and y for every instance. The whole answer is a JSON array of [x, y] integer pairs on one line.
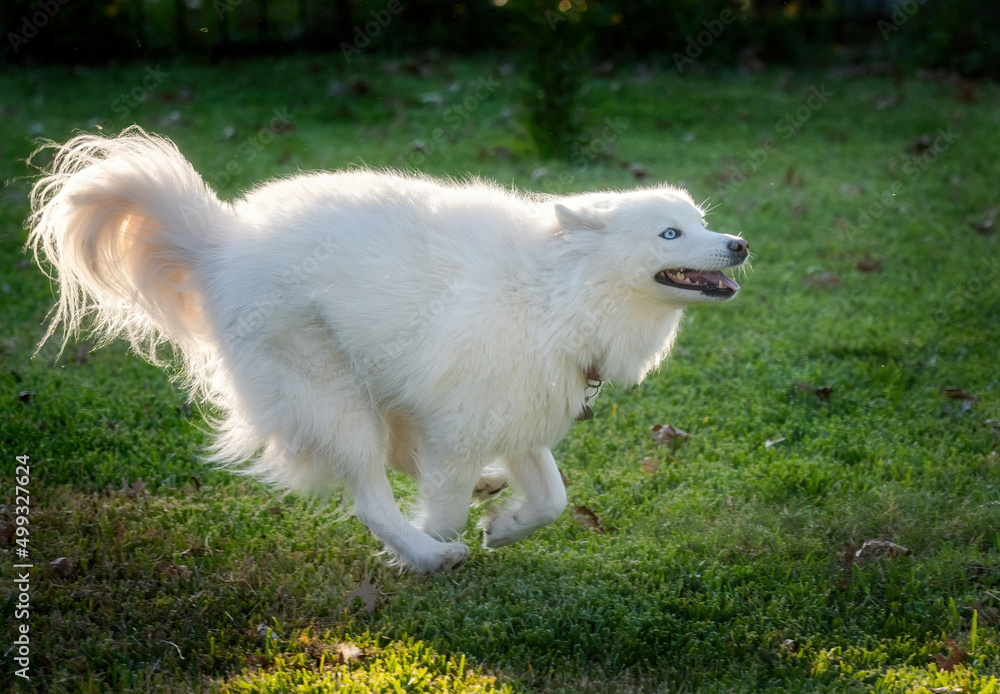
[[133, 491], [869, 264], [822, 280], [170, 570], [667, 434], [822, 392], [275, 511], [62, 566], [640, 172], [846, 557], [948, 663], [790, 645], [650, 464], [367, 594], [873, 550], [347, 652], [959, 394], [588, 519]]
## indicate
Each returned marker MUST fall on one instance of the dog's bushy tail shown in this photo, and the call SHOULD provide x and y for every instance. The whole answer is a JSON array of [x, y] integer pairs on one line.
[[123, 222]]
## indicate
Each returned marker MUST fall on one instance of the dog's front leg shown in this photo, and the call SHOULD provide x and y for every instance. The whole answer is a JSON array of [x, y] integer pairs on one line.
[[543, 497]]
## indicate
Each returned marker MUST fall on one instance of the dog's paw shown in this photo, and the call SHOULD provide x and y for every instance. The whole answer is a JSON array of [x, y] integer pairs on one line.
[[501, 528], [448, 557], [491, 482]]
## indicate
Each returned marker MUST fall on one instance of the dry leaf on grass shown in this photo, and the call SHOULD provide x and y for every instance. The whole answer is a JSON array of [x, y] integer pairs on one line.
[[790, 645], [347, 652], [588, 519], [650, 464], [667, 434], [275, 511], [134, 491], [822, 280], [948, 663], [869, 264], [770, 443], [62, 566], [822, 392], [876, 549], [921, 144], [168, 569], [959, 394], [640, 172], [367, 594]]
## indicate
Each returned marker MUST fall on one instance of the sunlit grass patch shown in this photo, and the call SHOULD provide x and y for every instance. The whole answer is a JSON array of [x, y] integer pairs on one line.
[[358, 665]]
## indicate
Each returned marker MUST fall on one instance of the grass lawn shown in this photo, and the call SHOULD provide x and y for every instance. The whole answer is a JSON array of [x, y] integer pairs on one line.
[[817, 406]]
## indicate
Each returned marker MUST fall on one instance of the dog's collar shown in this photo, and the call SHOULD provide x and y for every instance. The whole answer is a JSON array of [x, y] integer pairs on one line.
[[593, 382]]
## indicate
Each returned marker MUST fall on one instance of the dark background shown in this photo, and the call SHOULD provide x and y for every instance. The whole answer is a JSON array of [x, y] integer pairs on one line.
[[957, 36]]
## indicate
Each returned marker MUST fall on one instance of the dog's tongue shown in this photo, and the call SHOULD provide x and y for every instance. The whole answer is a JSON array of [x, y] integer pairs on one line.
[[712, 279]]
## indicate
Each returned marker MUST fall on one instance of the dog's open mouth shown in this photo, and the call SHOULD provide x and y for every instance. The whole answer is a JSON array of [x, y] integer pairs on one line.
[[709, 282]]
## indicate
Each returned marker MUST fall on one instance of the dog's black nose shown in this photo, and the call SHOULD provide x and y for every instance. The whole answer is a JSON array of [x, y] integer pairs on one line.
[[739, 248]]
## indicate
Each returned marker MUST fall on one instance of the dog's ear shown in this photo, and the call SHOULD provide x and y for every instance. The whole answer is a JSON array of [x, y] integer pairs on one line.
[[579, 218]]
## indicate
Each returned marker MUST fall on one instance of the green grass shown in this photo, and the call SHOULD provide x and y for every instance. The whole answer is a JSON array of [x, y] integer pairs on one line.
[[727, 570]]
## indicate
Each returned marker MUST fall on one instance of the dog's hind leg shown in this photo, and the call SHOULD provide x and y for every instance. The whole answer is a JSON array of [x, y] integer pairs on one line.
[[492, 481], [376, 507], [364, 437], [535, 476], [321, 426]]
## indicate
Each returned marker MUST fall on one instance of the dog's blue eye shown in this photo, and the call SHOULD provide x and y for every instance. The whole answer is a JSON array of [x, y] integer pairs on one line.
[[671, 234]]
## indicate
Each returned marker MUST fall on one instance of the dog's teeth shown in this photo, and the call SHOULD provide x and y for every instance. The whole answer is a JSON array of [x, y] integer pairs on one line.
[[720, 284]]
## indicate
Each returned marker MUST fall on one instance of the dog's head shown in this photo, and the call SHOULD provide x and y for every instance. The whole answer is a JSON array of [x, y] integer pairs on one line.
[[657, 243]]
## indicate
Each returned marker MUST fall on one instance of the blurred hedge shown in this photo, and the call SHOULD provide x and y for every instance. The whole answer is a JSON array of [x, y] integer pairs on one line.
[[957, 35]]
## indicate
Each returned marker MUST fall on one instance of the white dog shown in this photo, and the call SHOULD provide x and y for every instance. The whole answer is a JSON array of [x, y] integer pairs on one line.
[[337, 322]]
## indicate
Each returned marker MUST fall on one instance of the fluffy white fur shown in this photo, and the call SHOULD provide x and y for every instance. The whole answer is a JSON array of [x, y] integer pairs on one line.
[[341, 321]]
